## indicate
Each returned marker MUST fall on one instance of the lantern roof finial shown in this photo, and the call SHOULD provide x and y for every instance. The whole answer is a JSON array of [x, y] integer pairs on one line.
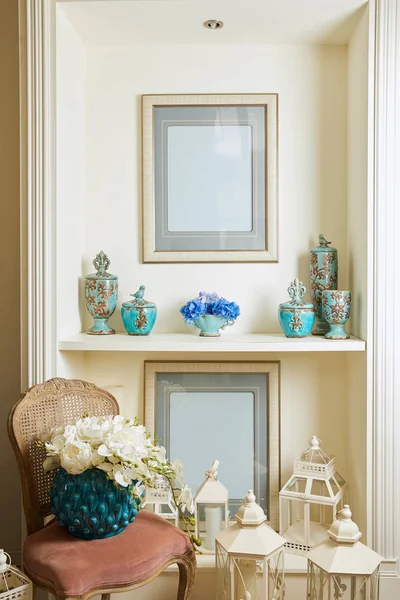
[[343, 530], [250, 514]]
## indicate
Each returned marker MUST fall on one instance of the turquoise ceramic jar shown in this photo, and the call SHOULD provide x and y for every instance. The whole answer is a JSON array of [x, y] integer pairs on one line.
[[296, 317], [101, 292], [138, 315], [336, 305], [91, 506], [323, 276]]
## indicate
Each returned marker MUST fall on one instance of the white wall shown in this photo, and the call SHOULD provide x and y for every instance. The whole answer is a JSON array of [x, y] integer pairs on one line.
[[311, 82], [357, 246], [71, 174]]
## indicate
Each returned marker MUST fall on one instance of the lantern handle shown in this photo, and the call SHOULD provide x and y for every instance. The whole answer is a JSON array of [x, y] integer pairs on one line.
[[212, 472]]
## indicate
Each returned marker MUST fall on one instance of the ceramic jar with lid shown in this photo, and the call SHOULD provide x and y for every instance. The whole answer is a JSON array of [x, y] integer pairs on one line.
[[323, 276], [295, 316], [101, 292], [138, 315]]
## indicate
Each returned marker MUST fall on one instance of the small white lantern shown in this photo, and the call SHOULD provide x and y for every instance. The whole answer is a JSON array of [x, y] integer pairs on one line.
[[249, 557], [13, 583], [161, 498], [211, 496], [342, 568], [310, 499]]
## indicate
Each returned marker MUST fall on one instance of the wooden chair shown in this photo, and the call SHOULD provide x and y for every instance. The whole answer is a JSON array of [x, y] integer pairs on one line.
[[56, 561]]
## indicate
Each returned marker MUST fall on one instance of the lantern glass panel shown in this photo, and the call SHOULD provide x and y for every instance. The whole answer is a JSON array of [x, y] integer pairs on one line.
[[334, 486], [276, 585], [298, 485], [319, 488], [223, 573], [316, 456], [325, 586], [245, 578], [339, 479]]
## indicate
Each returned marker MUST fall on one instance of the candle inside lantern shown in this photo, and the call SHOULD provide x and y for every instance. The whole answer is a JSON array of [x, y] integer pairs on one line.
[[213, 524]]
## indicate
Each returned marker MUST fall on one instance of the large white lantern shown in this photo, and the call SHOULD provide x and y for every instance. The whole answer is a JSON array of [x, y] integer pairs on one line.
[[310, 499], [14, 585], [161, 499], [211, 508], [342, 568], [249, 557]]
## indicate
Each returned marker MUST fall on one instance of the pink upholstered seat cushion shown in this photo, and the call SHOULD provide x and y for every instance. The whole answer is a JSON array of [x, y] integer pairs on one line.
[[72, 566]]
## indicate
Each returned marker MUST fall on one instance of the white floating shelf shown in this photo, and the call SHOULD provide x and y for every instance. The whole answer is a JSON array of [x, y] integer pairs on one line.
[[186, 342]]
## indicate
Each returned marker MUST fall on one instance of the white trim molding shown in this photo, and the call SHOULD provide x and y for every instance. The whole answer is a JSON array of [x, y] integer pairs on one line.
[[38, 162], [386, 278]]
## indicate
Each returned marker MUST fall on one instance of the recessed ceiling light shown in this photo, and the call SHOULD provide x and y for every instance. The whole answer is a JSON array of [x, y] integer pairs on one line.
[[212, 24]]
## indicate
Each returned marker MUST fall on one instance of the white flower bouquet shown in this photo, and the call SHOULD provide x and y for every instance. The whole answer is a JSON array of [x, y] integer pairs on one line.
[[124, 450]]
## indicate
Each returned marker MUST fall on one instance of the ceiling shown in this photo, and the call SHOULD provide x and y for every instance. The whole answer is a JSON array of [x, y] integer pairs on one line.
[[131, 22]]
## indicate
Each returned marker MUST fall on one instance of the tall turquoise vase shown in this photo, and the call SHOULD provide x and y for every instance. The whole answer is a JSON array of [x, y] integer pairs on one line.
[[101, 292], [323, 276], [91, 506]]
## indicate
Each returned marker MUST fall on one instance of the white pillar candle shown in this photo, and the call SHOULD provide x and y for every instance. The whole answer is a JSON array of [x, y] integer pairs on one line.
[[213, 525]]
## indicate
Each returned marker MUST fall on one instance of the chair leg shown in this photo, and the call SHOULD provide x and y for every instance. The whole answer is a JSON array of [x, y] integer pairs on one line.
[[187, 575]]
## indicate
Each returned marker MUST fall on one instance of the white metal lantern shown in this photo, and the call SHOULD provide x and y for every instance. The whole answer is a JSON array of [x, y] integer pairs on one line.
[[310, 499], [342, 568], [212, 500], [161, 498], [14, 585], [249, 557]]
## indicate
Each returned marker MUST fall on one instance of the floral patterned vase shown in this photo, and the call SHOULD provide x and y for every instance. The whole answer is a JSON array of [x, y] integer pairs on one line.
[[210, 325], [101, 292], [296, 317], [139, 315], [336, 306], [323, 276], [91, 506]]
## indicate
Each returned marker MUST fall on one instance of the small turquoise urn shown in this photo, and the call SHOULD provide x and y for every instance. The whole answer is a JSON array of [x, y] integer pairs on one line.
[[138, 315], [101, 292], [296, 317], [323, 276], [336, 305], [91, 506]]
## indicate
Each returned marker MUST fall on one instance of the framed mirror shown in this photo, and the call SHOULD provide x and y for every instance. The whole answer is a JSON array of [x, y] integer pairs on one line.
[[226, 411], [210, 178]]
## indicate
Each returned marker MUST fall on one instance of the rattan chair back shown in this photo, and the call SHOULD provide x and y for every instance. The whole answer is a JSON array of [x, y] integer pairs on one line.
[[50, 404]]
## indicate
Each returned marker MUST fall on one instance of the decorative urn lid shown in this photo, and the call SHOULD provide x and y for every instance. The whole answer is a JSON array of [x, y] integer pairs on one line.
[[324, 245], [296, 291], [101, 264], [138, 300]]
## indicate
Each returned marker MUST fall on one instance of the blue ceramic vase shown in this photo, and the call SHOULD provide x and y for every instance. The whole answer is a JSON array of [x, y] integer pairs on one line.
[[296, 317], [323, 276], [139, 315], [101, 292], [210, 325], [91, 506], [336, 305]]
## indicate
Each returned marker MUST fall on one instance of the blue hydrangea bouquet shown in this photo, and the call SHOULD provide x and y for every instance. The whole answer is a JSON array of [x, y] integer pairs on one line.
[[210, 313]]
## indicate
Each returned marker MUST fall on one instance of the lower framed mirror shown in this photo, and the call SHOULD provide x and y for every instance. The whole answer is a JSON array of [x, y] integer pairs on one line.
[[227, 411]]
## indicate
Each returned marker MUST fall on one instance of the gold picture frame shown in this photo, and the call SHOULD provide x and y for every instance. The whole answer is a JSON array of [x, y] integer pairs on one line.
[[270, 369], [171, 200]]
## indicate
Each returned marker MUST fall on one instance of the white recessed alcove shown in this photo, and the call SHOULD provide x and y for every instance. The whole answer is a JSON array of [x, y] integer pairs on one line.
[[316, 56]]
